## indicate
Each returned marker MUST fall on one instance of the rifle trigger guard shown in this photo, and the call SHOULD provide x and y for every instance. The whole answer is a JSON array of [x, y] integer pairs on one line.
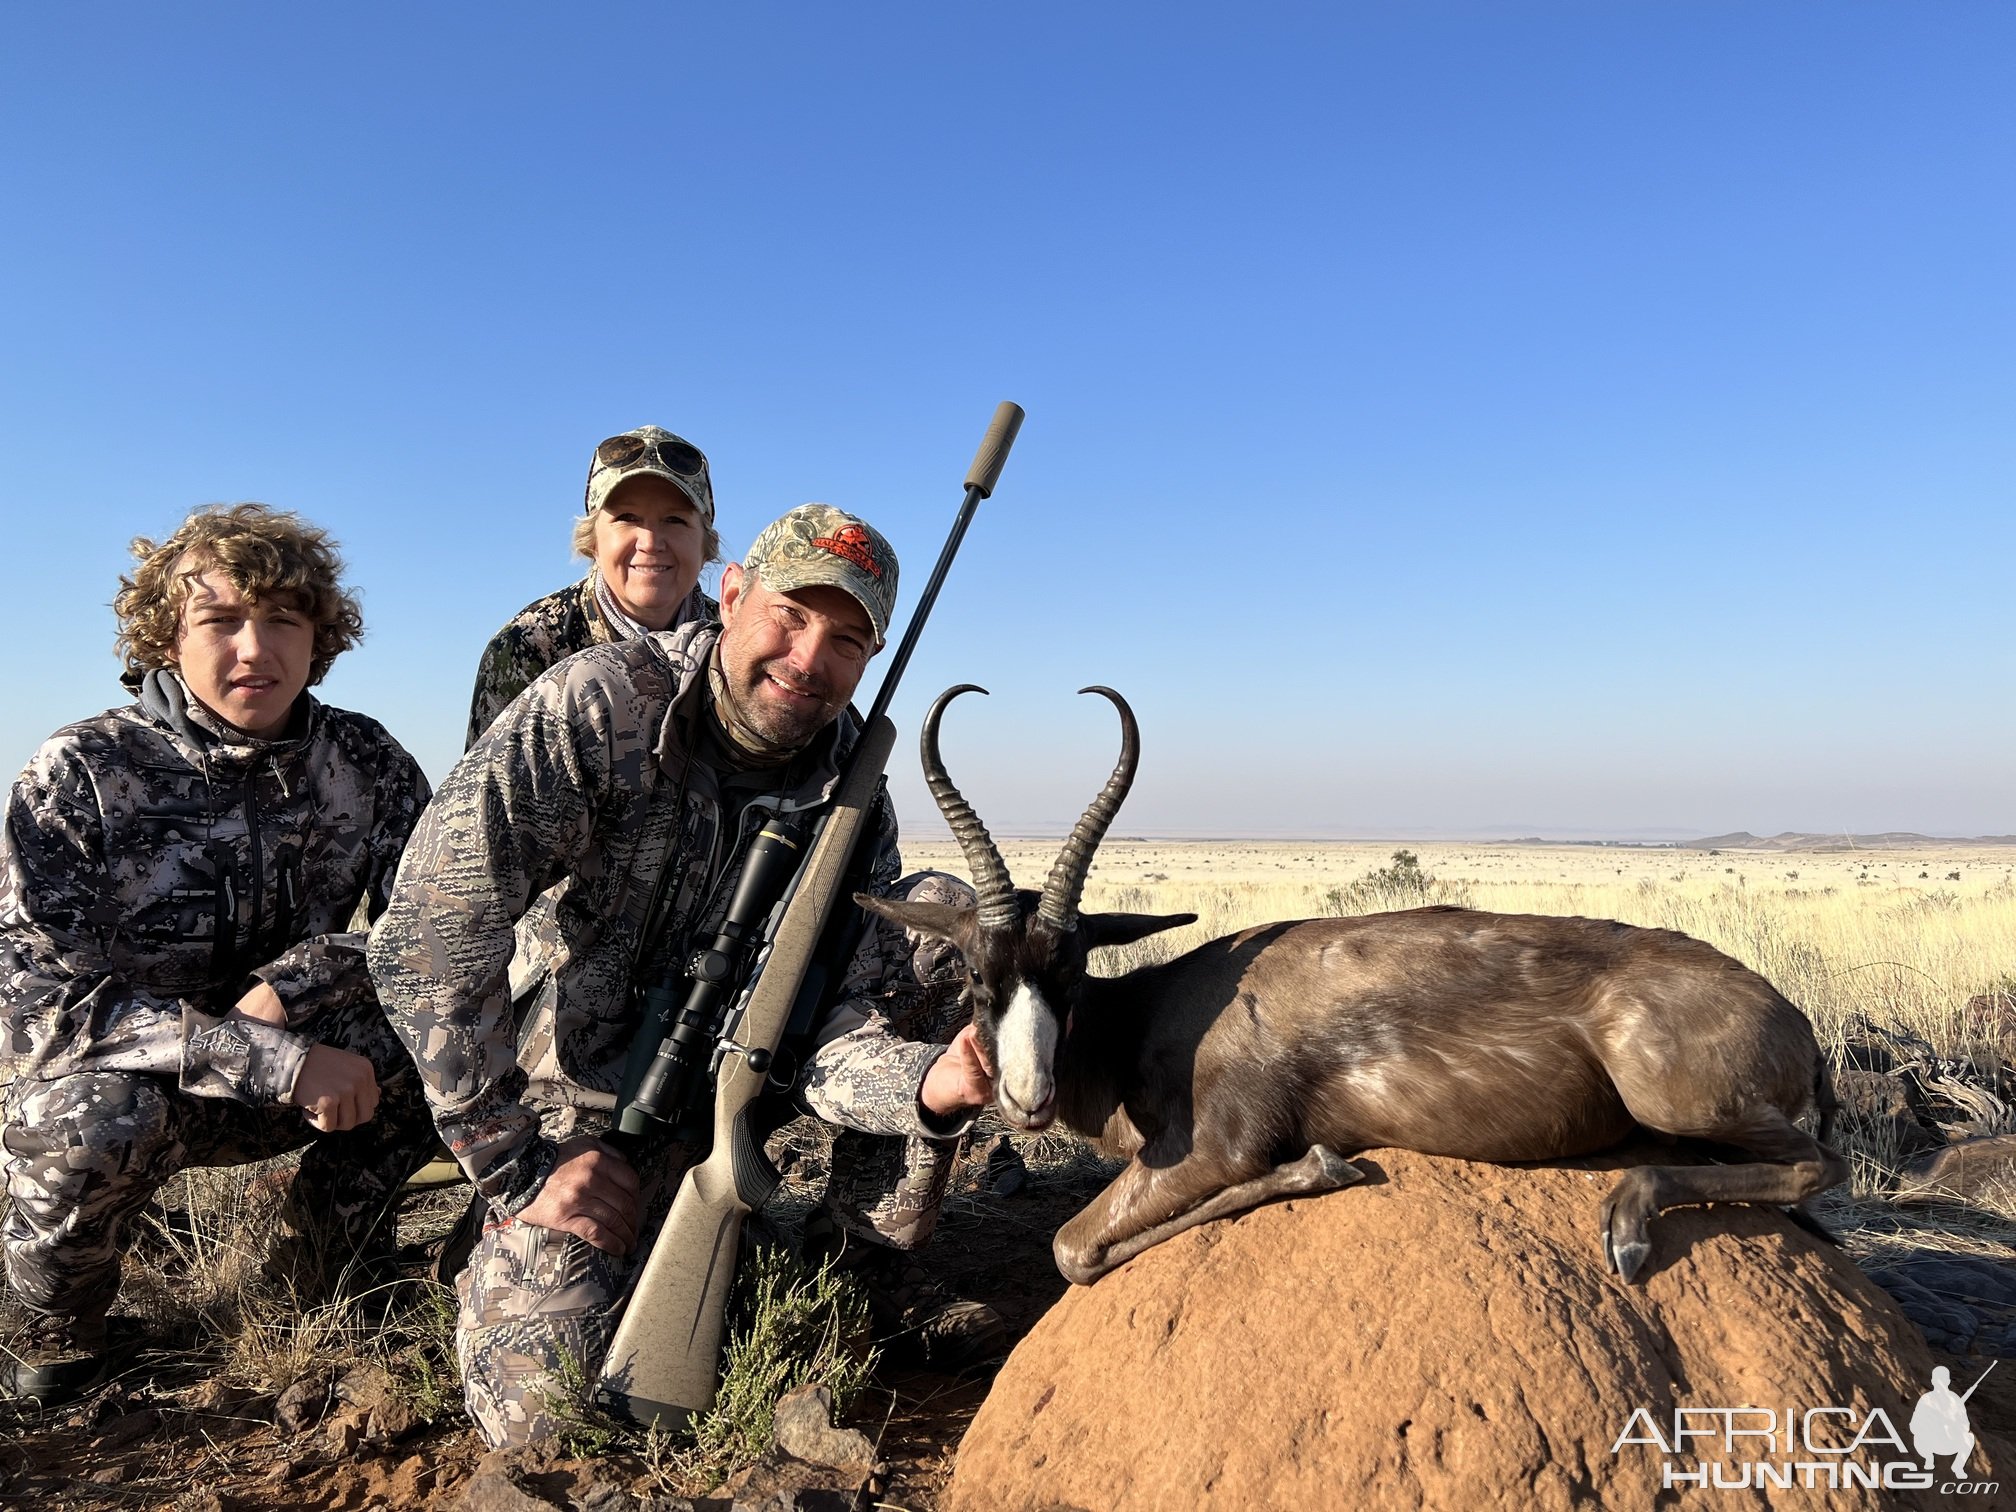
[[784, 1068]]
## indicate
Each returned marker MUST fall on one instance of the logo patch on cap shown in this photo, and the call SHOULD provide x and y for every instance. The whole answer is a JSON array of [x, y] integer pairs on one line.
[[851, 542]]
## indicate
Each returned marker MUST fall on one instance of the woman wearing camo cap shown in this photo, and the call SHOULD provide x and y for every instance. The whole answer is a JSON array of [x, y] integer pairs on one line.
[[648, 527]]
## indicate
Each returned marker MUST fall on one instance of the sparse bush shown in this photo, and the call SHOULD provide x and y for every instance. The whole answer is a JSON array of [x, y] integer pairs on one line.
[[581, 1429], [797, 1327], [1402, 884]]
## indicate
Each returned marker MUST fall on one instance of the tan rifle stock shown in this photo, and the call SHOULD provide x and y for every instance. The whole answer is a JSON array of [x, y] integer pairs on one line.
[[662, 1363]]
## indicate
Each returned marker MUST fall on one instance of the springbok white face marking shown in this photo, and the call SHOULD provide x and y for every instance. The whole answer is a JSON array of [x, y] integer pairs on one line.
[[1027, 1045]]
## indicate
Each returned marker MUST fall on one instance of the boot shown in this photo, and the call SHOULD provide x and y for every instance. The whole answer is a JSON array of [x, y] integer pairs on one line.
[[53, 1360], [918, 1321]]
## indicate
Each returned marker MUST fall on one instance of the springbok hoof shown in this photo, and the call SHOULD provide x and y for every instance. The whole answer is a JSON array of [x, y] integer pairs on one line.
[[1331, 1169], [1627, 1257]]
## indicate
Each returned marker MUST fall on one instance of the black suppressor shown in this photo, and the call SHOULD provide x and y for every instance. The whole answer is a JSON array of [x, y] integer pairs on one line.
[[673, 1055]]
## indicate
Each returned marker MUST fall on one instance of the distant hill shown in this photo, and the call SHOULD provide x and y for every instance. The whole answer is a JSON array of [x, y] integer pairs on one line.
[[1792, 840]]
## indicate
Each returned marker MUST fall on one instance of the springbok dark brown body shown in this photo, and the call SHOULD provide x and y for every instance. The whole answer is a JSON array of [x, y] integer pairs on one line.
[[1248, 1068]]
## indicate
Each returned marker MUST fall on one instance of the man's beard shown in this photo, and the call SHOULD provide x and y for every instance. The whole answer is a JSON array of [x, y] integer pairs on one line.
[[763, 730]]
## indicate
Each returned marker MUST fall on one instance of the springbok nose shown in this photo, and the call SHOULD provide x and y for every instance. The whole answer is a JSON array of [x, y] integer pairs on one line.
[[1032, 1117]]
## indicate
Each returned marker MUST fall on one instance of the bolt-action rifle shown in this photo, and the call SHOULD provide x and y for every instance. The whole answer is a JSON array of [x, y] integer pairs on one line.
[[664, 1362]]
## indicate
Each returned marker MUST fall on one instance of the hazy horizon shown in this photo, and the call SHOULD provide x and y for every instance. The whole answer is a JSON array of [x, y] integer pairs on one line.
[[935, 829]]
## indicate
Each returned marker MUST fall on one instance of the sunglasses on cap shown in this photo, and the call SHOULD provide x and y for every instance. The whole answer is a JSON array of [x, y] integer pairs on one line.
[[675, 456]]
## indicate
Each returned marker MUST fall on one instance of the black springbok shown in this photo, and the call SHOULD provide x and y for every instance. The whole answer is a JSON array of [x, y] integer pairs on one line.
[[1248, 1068]]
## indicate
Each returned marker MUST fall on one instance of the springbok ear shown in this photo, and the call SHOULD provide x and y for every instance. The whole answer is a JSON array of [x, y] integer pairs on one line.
[[1126, 928], [940, 921]]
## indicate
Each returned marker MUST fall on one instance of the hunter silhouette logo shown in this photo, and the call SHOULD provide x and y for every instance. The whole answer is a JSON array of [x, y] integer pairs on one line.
[[1833, 1448], [1939, 1422], [851, 542]]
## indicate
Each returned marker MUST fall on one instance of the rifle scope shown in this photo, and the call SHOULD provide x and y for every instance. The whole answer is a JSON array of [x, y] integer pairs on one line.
[[674, 1053]]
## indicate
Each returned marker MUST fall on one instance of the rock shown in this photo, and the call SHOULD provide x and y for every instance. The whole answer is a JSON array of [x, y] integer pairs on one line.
[[216, 1395], [371, 1409], [1971, 1171], [778, 1483], [1444, 1335], [803, 1427], [1962, 1302], [541, 1478], [500, 1485], [302, 1405], [346, 1428], [129, 1429], [1947, 1323], [1882, 1109], [365, 1385], [811, 1466]]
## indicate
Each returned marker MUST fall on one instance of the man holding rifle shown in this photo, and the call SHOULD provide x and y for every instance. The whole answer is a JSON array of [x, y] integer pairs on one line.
[[637, 774]]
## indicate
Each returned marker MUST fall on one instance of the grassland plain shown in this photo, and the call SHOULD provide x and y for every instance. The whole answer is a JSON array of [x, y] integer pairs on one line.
[[199, 1418], [1904, 937]]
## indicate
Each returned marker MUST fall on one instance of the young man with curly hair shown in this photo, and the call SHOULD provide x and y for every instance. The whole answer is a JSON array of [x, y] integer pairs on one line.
[[178, 983]]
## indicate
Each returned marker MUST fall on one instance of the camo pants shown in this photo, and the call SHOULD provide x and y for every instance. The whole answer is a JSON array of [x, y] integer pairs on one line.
[[539, 1307], [85, 1153]]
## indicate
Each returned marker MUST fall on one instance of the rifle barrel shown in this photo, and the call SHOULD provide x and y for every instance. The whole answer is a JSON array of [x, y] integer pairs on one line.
[[980, 481], [1978, 1380]]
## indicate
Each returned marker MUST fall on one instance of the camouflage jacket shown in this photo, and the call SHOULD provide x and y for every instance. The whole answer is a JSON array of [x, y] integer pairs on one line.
[[578, 784], [156, 863], [546, 631]]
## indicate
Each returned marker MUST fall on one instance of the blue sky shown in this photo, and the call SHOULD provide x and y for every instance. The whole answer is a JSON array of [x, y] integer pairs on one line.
[[1559, 418]]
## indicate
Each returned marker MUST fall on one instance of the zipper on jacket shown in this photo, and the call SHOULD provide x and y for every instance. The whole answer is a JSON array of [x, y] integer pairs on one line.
[[258, 863]]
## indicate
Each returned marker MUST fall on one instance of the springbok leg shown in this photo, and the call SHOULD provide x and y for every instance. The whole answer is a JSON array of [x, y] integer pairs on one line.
[[1146, 1204], [1792, 1166]]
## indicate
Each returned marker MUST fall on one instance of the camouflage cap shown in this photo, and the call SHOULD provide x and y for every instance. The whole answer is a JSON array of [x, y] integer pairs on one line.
[[650, 449], [817, 545]]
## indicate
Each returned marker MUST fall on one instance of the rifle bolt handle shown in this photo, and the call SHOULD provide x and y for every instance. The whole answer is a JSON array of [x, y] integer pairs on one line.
[[759, 1060]]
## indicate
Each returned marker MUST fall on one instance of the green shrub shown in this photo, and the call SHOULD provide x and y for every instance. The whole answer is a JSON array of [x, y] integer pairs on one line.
[[795, 1326], [1401, 884]]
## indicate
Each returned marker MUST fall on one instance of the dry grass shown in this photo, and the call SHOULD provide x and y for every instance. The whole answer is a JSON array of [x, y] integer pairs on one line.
[[195, 1283], [1886, 934]]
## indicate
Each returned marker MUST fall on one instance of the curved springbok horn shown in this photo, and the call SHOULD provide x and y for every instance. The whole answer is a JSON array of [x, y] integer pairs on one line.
[[990, 872], [1059, 908]]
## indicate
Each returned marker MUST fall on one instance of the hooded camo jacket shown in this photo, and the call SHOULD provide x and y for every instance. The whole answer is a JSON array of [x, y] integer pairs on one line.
[[575, 790], [546, 631], [156, 863]]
